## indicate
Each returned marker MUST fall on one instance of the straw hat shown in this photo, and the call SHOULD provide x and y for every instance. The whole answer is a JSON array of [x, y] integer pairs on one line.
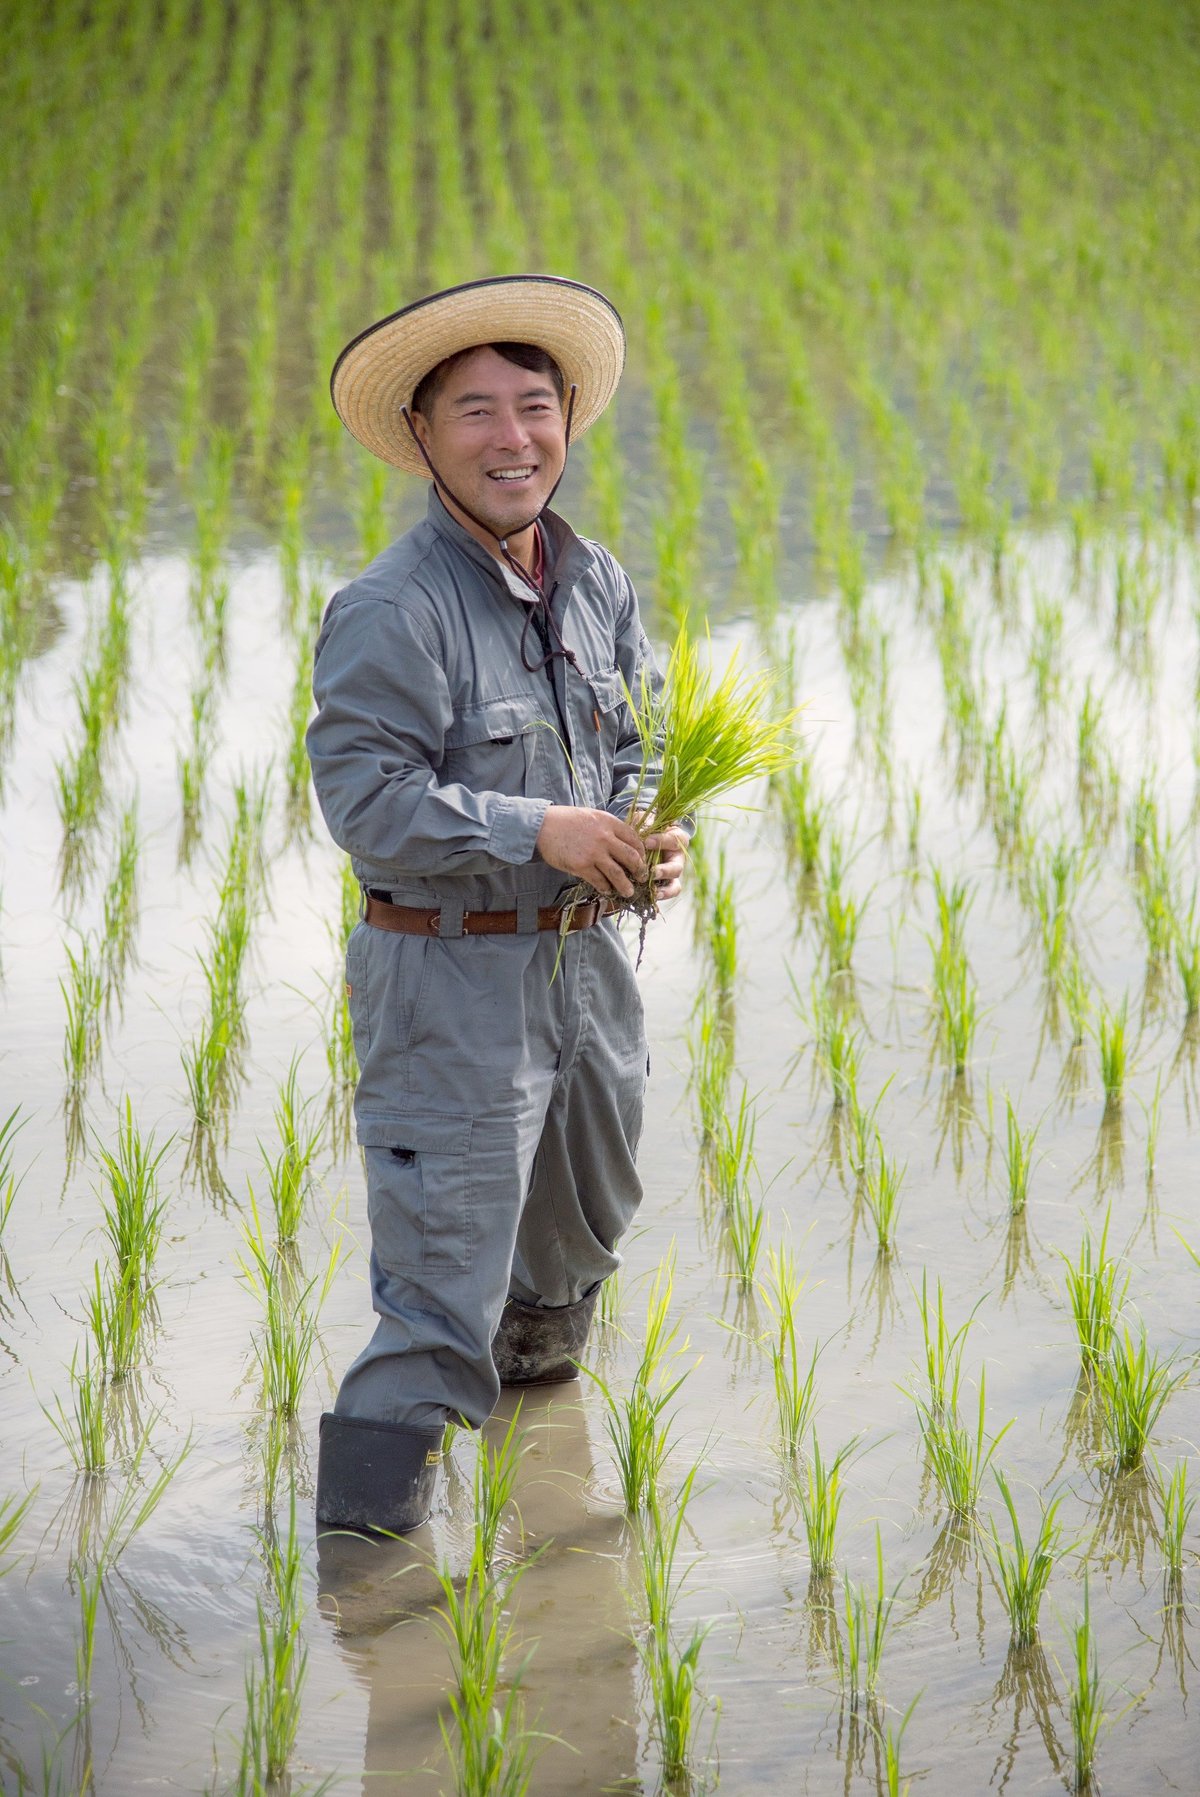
[[377, 373]]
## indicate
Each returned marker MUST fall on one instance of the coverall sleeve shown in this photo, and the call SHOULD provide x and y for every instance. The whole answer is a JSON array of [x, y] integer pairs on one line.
[[383, 710]]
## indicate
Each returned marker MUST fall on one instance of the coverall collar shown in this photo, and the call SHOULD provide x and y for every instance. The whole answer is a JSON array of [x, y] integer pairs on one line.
[[566, 554]]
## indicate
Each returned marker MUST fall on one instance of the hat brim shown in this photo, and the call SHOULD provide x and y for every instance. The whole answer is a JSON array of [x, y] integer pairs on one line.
[[376, 374]]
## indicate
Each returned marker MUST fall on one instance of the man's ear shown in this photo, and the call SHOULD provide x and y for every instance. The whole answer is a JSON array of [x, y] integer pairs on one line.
[[421, 426]]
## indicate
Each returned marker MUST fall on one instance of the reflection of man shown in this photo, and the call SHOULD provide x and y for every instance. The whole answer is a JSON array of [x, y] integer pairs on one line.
[[474, 753], [579, 1686]]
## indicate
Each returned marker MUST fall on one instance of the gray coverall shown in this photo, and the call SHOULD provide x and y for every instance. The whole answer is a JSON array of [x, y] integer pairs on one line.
[[499, 1102]]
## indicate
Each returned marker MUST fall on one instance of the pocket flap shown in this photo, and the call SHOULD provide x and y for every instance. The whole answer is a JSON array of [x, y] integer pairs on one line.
[[608, 689], [500, 719], [424, 1132]]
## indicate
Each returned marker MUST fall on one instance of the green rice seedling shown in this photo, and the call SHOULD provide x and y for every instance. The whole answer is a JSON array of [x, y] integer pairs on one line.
[[804, 813], [205, 1069], [721, 933], [943, 1352], [1018, 1157], [1045, 649], [957, 1457], [10, 1181], [1178, 1503], [1049, 884], [820, 1492], [670, 1668], [1111, 1026], [957, 1005], [840, 920], [867, 1615], [133, 1210], [1095, 1293], [83, 995], [275, 1683], [351, 904], [1133, 1385], [864, 1128], [497, 1466], [745, 1221], [953, 900], [1076, 995], [1087, 735], [121, 900], [284, 1347], [1025, 1567], [730, 1154], [12, 1515], [489, 1748], [638, 1423], [192, 763], [889, 1739], [705, 737], [881, 1190], [1153, 1125], [84, 1433], [290, 1172], [296, 766], [119, 1306], [1087, 1700], [794, 1383], [611, 1301], [1187, 955], [710, 1045], [837, 1044], [913, 836]]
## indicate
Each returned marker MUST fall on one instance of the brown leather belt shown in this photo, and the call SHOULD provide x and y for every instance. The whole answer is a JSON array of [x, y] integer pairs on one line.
[[409, 920]]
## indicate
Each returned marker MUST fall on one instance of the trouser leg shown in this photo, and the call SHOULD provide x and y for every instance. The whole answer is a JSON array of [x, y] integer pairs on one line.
[[585, 1189], [499, 1120]]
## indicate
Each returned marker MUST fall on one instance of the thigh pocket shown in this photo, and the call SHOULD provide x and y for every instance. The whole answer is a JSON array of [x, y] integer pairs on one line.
[[418, 1188]]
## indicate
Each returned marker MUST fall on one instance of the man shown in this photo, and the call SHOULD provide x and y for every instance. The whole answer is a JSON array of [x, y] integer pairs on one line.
[[474, 753]]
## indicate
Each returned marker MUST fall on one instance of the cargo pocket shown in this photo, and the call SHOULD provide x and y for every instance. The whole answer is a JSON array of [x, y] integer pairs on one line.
[[418, 1188]]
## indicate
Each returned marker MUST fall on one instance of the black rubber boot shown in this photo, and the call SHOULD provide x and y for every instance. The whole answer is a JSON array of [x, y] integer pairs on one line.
[[375, 1475], [536, 1346]]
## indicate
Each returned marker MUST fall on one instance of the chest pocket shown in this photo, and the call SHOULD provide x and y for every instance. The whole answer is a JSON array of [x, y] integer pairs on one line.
[[497, 747], [602, 700]]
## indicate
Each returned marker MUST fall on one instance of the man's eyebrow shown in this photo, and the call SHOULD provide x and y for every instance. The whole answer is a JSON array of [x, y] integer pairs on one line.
[[473, 399]]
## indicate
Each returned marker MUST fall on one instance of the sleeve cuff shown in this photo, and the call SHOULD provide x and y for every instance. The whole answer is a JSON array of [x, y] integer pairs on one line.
[[514, 832]]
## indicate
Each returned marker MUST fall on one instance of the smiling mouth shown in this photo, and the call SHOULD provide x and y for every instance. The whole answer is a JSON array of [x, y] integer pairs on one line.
[[512, 474]]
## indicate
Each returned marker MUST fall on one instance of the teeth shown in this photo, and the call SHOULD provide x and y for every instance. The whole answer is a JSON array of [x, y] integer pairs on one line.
[[510, 473]]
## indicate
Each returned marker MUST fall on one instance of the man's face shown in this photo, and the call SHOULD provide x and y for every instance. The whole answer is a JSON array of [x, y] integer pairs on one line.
[[497, 437]]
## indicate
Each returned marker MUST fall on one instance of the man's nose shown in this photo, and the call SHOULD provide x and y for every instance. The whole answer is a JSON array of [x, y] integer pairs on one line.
[[511, 429]]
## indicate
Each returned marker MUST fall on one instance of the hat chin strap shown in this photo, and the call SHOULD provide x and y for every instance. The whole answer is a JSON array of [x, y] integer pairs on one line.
[[517, 567]]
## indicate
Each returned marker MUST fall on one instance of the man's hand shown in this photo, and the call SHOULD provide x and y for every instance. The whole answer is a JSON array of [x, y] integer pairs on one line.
[[672, 858], [594, 846]]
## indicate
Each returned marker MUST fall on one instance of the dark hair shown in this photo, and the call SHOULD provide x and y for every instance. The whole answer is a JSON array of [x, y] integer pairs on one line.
[[521, 355]]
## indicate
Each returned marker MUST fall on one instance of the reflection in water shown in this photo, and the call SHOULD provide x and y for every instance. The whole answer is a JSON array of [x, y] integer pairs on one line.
[[1026, 1688], [880, 1294], [568, 1612], [1127, 1519], [953, 1555], [1072, 1078], [1106, 1165], [1173, 1643], [1083, 1426], [956, 1117]]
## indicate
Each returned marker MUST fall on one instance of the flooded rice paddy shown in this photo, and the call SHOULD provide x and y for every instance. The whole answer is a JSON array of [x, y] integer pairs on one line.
[[911, 417], [177, 1626]]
